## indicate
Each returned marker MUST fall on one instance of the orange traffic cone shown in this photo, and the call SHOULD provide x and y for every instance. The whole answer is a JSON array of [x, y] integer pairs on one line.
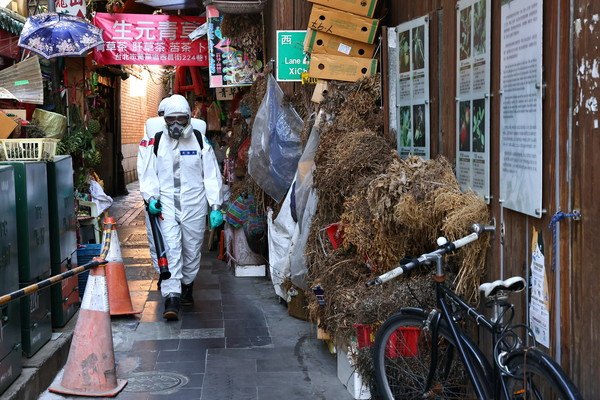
[[118, 290], [90, 369]]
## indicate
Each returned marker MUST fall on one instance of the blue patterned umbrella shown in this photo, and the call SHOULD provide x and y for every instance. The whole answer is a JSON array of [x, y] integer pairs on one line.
[[58, 35]]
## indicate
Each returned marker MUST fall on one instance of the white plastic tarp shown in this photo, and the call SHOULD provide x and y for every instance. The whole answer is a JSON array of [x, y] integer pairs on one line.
[[102, 200], [281, 232], [287, 239]]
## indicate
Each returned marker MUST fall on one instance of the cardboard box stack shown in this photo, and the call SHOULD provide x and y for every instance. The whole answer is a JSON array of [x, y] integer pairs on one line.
[[340, 39]]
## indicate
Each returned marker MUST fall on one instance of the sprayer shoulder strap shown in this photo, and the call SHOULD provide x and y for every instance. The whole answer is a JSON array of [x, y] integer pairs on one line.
[[158, 135]]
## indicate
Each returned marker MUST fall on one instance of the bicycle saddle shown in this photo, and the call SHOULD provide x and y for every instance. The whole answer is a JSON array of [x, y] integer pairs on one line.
[[514, 284]]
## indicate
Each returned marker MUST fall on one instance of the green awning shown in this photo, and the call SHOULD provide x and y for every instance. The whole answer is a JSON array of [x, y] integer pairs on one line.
[[10, 21]]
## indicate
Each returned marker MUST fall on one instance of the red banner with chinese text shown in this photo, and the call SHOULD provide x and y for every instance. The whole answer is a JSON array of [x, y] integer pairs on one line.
[[149, 39]]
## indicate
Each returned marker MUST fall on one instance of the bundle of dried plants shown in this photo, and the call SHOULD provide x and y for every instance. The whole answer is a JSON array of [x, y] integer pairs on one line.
[[245, 31]]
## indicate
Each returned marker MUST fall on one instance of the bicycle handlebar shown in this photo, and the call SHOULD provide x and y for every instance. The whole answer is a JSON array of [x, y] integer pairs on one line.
[[476, 229]]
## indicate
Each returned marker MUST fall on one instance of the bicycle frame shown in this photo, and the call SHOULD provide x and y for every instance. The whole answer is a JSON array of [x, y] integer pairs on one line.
[[468, 351], [496, 376]]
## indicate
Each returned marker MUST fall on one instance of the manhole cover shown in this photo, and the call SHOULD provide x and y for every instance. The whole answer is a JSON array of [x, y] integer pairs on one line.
[[155, 382]]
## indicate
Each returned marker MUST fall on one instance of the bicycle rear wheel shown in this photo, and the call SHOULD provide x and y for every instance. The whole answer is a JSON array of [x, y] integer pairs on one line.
[[402, 360], [536, 376]]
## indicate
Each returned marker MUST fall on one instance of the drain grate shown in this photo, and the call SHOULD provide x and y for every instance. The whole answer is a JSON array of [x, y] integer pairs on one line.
[[155, 382]]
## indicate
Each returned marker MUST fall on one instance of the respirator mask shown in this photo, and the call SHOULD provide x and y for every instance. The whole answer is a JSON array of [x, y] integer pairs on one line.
[[177, 125]]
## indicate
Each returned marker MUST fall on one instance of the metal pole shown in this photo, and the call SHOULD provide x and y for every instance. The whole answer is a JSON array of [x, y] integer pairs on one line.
[[50, 281], [557, 139], [57, 278], [570, 156]]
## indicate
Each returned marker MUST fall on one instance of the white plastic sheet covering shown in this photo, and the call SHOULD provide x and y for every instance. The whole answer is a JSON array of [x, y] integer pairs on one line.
[[276, 146], [102, 200], [287, 239], [281, 231]]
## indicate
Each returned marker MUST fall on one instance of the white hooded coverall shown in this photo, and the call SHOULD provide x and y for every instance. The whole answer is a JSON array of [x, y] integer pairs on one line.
[[186, 180]]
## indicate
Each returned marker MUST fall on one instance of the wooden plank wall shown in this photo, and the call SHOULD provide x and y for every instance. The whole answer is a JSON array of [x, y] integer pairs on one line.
[[511, 251], [586, 192], [284, 15]]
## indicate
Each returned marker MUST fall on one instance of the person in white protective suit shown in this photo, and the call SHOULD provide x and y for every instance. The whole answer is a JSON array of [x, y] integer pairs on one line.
[[153, 125], [180, 179]]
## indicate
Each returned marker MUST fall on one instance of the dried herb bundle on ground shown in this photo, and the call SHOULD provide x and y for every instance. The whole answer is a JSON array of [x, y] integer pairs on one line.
[[245, 33], [399, 212], [355, 105], [344, 160]]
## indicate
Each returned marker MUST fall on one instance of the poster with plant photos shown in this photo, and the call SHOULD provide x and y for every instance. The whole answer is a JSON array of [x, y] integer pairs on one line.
[[473, 95], [412, 88]]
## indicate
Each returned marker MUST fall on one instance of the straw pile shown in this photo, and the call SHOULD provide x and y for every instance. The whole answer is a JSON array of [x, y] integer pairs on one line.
[[389, 208]]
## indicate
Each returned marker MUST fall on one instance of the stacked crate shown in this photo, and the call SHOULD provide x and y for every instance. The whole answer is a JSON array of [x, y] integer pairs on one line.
[[340, 39], [33, 235], [63, 238], [10, 325]]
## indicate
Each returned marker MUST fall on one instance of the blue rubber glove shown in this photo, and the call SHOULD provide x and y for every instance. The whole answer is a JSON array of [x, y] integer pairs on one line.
[[154, 207], [216, 218]]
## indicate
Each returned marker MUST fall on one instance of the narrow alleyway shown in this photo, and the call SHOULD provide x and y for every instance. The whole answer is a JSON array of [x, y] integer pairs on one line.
[[237, 342]]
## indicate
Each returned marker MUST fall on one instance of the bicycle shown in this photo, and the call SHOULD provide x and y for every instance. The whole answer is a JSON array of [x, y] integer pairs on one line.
[[420, 354]]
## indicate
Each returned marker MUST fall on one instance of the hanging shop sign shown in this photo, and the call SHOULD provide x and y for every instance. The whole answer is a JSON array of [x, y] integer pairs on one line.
[[71, 7], [473, 96], [150, 40], [227, 93], [228, 66], [410, 46], [291, 59], [521, 106]]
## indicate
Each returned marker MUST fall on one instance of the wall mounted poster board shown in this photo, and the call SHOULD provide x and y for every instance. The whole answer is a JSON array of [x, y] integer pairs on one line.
[[473, 96], [521, 106], [412, 88]]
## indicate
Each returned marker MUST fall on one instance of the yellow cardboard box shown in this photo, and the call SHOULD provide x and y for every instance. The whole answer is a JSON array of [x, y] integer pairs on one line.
[[360, 7], [342, 23], [323, 43], [7, 126], [341, 68]]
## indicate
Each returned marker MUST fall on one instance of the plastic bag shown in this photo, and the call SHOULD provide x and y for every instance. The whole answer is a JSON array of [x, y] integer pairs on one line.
[[102, 200], [237, 212], [255, 228], [52, 124], [306, 205], [276, 146]]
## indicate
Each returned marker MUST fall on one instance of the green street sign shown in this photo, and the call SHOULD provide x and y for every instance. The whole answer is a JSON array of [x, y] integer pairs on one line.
[[291, 60]]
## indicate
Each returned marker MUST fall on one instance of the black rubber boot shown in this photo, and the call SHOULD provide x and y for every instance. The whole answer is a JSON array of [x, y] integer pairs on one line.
[[172, 306], [186, 294]]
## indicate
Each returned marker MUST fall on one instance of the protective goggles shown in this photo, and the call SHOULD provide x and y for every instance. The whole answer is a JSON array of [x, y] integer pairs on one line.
[[182, 119]]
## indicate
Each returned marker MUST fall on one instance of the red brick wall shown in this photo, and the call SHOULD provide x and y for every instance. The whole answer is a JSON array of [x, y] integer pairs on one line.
[[140, 96], [136, 110]]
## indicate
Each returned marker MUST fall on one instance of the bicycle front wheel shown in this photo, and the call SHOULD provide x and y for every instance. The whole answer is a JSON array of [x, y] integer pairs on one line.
[[535, 376], [402, 362]]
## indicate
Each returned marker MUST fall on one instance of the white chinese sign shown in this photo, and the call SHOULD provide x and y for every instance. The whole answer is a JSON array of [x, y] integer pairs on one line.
[[521, 106], [539, 306], [71, 7]]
